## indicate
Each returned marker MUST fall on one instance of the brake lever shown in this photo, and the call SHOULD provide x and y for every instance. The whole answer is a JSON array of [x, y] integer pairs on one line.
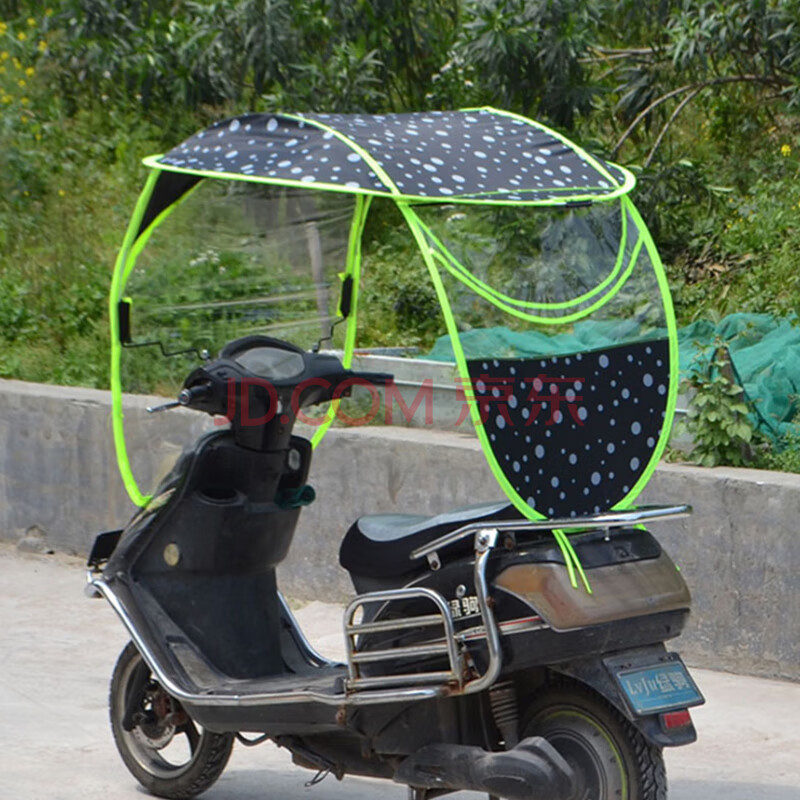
[[165, 407]]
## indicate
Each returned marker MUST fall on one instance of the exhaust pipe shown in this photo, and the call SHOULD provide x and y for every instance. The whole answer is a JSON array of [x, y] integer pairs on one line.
[[533, 770]]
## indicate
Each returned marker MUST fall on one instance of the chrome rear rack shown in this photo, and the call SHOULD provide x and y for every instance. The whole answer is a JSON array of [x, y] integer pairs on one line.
[[356, 659], [604, 521], [456, 677]]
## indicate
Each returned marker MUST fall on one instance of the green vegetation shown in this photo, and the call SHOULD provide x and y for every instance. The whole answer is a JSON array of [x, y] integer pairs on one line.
[[717, 418], [701, 100]]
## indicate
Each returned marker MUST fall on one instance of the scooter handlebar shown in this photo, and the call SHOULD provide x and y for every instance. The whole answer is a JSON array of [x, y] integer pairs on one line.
[[188, 397], [376, 378]]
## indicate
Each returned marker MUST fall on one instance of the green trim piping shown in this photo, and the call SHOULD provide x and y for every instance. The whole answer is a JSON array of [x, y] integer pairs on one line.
[[353, 269], [356, 148], [672, 335], [484, 199], [566, 319], [115, 294], [630, 178], [530, 303], [570, 557]]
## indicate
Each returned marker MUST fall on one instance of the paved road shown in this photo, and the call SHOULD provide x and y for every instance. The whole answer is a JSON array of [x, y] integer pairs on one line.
[[57, 650]]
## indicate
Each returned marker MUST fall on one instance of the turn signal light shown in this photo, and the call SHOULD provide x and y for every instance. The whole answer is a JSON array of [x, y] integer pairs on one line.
[[675, 719]]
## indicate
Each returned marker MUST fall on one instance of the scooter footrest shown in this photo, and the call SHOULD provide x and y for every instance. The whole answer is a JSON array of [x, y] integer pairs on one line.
[[533, 770]]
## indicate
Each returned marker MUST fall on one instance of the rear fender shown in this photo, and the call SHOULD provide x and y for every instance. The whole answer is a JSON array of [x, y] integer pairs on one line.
[[595, 673]]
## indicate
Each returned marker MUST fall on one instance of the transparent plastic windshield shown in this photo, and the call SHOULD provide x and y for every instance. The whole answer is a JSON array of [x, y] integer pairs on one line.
[[546, 282], [232, 259], [560, 323]]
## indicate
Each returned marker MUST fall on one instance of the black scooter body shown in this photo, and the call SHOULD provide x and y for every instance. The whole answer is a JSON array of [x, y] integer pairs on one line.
[[193, 578]]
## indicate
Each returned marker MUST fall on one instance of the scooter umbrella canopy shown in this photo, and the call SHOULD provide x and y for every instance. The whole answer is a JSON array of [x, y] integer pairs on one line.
[[552, 293]]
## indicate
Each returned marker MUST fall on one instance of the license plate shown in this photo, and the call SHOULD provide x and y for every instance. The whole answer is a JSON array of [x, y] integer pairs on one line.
[[664, 687]]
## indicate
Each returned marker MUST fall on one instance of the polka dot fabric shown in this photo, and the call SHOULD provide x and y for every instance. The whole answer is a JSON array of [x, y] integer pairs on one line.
[[480, 154], [573, 434]]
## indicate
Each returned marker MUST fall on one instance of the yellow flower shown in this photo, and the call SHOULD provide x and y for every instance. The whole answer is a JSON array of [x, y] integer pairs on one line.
[[25, 101], [62, 193], [24, 119], [4, 56], [3, 28], [49, 12], [31, 22], [30, 72], [7, 98], [17, 63], [21, 83], [3, 70], [42, 46], [38, 137], [786, 150], [22, 36]]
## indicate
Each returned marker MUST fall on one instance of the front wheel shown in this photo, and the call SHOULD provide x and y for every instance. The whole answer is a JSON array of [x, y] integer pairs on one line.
[[158, 741], [611, 759]]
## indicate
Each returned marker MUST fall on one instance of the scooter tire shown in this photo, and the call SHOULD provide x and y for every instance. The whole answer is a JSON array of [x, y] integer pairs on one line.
[[209, 752], [612, 760]]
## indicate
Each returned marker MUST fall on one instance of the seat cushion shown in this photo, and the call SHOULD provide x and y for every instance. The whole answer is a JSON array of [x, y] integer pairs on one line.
[[380, 545]]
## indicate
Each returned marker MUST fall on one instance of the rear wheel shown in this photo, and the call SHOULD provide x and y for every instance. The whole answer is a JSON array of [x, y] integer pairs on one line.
[[611, 759], [163, 748]]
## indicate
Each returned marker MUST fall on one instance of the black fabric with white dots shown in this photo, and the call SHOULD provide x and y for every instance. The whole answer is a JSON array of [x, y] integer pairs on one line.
[[429, 155], [573, 434]]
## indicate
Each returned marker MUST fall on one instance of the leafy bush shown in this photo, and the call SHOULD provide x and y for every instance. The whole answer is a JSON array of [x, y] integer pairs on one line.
[[717, 416]]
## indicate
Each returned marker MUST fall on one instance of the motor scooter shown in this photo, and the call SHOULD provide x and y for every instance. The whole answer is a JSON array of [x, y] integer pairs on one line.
[[514, 648]]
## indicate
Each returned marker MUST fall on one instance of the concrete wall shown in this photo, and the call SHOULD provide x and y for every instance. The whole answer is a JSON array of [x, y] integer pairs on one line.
[[740, 551]]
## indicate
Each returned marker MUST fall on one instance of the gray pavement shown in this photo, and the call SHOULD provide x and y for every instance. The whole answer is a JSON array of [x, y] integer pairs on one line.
[[57, 650]]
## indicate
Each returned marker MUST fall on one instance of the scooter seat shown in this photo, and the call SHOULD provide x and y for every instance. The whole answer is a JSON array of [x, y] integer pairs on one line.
[[380, 545]]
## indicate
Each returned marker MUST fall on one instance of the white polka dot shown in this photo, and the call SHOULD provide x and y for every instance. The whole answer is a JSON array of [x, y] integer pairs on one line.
[[596, 478]]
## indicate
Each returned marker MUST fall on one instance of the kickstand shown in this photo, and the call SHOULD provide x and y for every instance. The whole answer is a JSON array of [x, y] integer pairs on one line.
[[417, 794], [318, 778]]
